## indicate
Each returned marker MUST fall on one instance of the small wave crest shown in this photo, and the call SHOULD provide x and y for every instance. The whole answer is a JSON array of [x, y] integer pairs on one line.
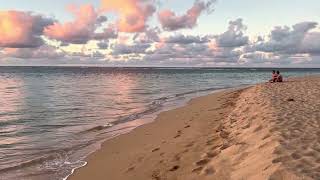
[[84, 163], [99, 128], [50, 160], [44, 161], [156, 105]]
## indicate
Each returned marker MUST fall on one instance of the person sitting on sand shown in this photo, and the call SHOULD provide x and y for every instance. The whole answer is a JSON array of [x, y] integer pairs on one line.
[[274, 76], [279, 77]]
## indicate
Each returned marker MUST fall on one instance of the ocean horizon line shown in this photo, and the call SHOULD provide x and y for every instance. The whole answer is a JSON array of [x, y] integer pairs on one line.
[[157, 67]]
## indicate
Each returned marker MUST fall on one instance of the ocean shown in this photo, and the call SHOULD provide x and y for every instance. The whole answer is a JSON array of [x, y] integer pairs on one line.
[[51, 118]]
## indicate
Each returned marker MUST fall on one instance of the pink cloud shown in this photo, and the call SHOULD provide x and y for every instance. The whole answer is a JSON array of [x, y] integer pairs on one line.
[[170, 21], [21, 29], [79, 31], [133, 14]]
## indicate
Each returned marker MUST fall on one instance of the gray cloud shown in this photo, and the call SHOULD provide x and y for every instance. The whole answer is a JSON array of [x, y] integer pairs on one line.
[[150, 35], [234, 36], [42, 52], [107, 33], [186, 39], [311, 44], [103, 44], [197, 53], [288, 40], [120, 49]]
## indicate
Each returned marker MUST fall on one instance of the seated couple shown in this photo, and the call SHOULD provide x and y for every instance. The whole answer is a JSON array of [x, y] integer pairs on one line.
[[276, 77]]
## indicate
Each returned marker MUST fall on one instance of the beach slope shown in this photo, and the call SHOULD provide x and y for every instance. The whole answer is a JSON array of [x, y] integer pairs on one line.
[[267, 131]]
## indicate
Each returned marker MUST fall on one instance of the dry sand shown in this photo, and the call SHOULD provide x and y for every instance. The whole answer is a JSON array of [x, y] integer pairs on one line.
[[267, 131]]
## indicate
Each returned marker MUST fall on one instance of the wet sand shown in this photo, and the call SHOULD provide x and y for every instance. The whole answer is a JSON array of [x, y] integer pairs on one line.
[[267, 131]]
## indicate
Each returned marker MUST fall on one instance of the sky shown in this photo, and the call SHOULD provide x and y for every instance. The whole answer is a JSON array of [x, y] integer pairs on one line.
[[201, 33]]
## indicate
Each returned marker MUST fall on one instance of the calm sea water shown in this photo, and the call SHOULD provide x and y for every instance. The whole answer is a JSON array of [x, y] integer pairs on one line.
[[51, 118]]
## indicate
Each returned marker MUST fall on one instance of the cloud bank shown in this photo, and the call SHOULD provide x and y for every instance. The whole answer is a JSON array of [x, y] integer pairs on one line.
[[121, 33]]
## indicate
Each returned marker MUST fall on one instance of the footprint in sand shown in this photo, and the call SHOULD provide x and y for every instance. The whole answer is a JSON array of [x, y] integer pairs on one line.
[[156, 149], [211, 154], [176, 157], [209, 170], [140, 159], [218, 146], [246, 126], [174, 168], [156, 175], [210, 142], [258, 128], [130, 169], [197, 169], [189, 145], [224, 134], [202, 162], [178, 134], [266, 136], [225, 146], [185, 151]]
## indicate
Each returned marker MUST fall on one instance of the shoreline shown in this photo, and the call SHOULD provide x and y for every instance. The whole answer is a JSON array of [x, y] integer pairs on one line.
[[230, 134], [155, 116], [214, 94]]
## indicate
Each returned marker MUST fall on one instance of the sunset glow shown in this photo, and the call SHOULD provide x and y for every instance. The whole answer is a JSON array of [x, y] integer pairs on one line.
[[148, 32]]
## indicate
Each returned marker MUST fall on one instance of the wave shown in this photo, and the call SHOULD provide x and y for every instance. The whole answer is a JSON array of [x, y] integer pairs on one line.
[[98, 128], [60, 155], [29, 163], [153, 107], [73, 169], [200, 90]]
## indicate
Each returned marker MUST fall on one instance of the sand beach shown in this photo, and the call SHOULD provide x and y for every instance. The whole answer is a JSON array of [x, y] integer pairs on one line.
[[265, 131]]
